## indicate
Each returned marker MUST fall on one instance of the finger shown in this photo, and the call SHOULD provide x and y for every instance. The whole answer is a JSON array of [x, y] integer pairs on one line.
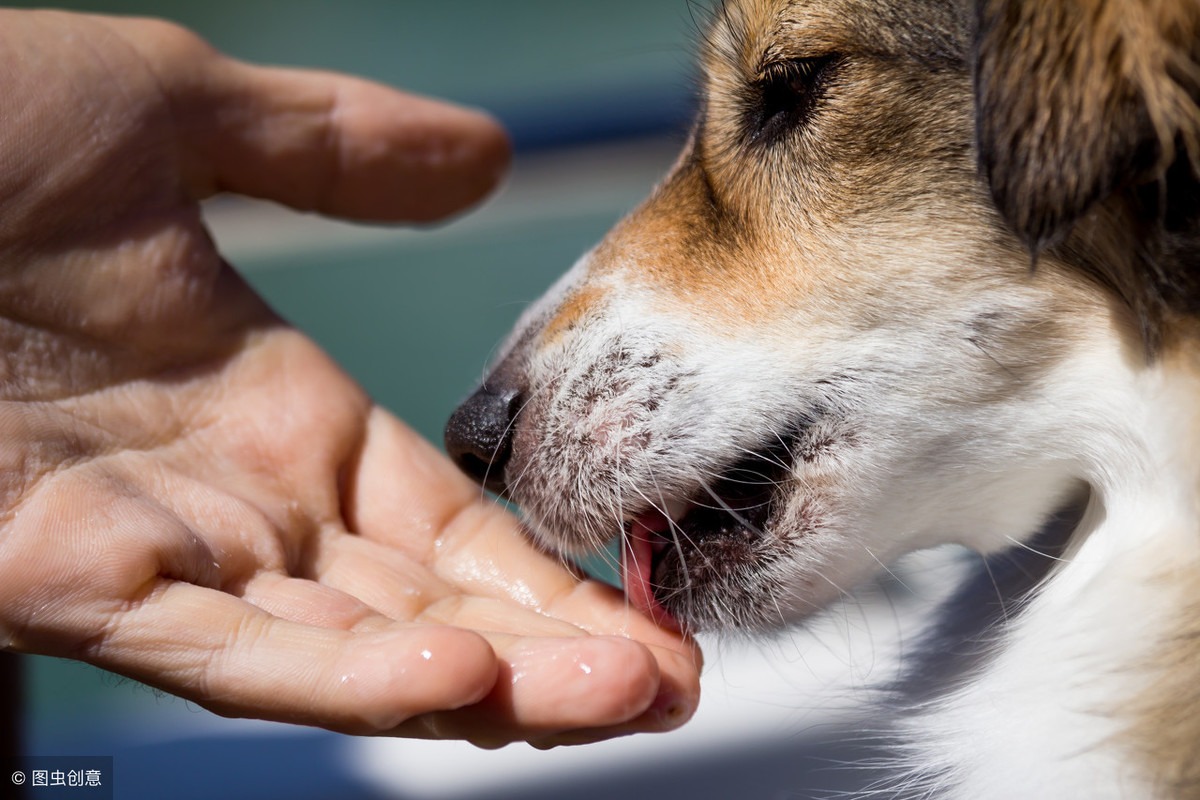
[[548, 685], [382, 577], [237, 660], [591, 688], [310, 603], [674, 704], [599, 608], [320, 141], [347, 147], [674, 667], [397, 586], [409, 514], [437, 518], [479, 554], [640, 690]]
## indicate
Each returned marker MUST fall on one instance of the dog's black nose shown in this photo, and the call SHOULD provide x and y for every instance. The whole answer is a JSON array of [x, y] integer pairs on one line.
[[479, 434]]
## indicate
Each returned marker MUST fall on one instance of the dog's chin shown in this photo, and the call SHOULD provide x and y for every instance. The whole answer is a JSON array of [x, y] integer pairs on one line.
[[720, 575], [717, 560], [699, 579]]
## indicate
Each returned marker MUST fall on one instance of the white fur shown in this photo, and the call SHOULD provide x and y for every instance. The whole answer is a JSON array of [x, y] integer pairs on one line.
[[1039, 720], [1042, 719]]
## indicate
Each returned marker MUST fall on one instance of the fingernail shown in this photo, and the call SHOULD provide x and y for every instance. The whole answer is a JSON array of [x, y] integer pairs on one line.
[[672, 708]]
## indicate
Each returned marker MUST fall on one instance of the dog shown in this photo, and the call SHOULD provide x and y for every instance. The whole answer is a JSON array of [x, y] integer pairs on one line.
[[926, 272]]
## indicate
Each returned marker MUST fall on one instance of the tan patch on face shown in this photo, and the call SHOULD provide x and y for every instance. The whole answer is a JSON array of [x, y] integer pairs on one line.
[[578, 305], [745, 231], [692, 257]]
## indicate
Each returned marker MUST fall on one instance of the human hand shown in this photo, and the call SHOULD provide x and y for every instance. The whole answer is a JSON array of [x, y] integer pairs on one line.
[[192, 494]]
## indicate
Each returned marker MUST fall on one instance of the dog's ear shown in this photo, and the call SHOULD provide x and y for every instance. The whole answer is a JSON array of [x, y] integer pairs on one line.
[[1081, 99]]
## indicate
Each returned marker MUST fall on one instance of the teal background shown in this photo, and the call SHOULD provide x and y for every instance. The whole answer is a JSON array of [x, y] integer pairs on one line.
[[489, 52], [417, 322]]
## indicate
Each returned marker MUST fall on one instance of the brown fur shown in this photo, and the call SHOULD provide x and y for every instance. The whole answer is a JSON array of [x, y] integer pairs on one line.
[[1090, 107]]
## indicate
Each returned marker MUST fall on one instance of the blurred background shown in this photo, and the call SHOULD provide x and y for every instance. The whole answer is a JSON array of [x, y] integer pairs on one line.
[[597, 96]]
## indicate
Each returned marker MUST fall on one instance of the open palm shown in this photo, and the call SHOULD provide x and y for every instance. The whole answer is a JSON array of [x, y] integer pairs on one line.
[[193, 494]]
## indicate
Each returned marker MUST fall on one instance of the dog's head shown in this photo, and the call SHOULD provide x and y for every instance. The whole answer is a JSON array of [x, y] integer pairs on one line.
[[868, 309]]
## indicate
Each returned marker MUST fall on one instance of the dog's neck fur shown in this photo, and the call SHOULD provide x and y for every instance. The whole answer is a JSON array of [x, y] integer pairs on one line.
[[1104, 655]]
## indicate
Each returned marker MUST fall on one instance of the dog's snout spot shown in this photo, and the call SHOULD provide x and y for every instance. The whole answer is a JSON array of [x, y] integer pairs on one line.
[[478, 434]]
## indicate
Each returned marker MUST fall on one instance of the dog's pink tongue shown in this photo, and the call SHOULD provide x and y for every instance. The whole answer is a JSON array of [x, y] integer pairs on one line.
[[635, 569]]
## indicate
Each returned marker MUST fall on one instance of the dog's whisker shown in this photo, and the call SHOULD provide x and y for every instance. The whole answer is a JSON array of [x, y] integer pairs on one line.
[[887, 569]]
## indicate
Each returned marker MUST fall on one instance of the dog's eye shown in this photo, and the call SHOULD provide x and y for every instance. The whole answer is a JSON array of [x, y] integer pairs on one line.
[[785, 96]]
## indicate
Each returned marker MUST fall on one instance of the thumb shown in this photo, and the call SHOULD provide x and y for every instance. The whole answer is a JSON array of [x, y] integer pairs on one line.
[[319, 141]]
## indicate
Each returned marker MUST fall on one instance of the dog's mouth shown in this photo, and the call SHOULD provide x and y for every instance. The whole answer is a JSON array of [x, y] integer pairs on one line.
[[686, 546]]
